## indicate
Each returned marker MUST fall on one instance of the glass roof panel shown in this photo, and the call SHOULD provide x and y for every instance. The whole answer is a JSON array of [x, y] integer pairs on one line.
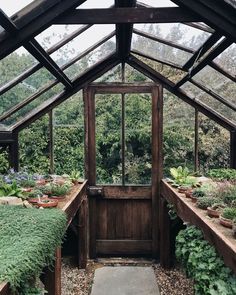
[[14, 64], [217, 82], [176, 32], [24, 89], [91, 59], [114, 75], [11, 6], [159, 50], [199, 95], [159, 3], [17, 116], [81, 43], [227, 59], [96, 4]]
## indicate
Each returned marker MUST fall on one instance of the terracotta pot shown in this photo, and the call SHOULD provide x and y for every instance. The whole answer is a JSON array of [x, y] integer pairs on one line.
[[183, 190], [188, 194], [27, 189], [47, 203], [41, 182], [35, 200], [58, 198], [213, 213], [194, 199], [75, 181], [226, 222]]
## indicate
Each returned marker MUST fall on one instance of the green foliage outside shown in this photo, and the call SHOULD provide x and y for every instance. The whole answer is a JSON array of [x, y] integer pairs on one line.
[[203, 264], [28, 242]]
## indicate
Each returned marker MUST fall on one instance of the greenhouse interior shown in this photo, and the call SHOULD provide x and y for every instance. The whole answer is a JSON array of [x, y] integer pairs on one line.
[[118, 147]]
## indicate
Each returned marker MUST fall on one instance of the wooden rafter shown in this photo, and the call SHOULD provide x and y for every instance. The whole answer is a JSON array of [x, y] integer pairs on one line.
[[38, 66], [90, 75], [45, 88], [218, 14], [126, 14], [170, 86], [39, 23]]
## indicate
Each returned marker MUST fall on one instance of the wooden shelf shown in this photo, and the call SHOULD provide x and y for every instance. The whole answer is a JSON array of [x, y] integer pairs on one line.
[[215, 233]]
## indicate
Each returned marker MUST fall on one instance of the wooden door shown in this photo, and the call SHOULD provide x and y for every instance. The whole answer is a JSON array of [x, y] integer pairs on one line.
[[123, 218]]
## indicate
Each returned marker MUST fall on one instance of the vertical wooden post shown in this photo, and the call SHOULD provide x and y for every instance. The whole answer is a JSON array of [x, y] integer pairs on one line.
[[196, 137], [233, 149], [157, 130], [82, 234], [52, 278], [90, 163], [51, 142], [165, 240], [14, 152], [123, 126]]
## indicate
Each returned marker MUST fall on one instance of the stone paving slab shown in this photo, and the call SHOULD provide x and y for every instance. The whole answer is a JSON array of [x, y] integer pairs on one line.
[[125, 280]]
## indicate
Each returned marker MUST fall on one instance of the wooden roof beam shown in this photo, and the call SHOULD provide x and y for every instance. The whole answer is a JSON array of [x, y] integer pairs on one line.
[[170, 86], [218, 14], [127, 14], [90, 75], [37, 24], [209, 57], [45, 88]]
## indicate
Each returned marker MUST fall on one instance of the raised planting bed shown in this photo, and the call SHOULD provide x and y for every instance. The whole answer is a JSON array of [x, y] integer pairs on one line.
[[222, 238]]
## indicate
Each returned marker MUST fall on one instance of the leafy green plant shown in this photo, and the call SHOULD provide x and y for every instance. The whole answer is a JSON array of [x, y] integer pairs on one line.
[[181, 176], [10, 190], [222, 174], [59, 190], [228, 195], [205, 202], [75, 175], [203, 264], [198, 193], [229, 213]]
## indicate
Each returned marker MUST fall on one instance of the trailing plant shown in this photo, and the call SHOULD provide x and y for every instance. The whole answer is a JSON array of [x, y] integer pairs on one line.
[[222, 174], [28, 241], [205, 202], [203, 264], [229, 213]]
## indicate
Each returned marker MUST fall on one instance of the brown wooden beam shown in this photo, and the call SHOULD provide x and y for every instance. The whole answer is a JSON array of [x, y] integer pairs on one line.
[[37, 24], [14, 152], [128, 15], [200, 26], [196, 141], [218, 14], [91, 74], [170, 86], [164, 62], [163, 41]]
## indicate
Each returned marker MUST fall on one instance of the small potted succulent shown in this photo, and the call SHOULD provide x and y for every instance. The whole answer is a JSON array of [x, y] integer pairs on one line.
[[205, 202], [35, 196], [47, 203], [215, 209], [227, 217]]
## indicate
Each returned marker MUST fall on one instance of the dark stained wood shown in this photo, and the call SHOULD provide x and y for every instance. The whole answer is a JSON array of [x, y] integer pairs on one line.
[[14, 152], [170, 86], [51, 142], [123, 153], [163, 41], [128, 15], [200, 26], [164, 62], [233, 149], [127, 192], [215, 95], [52, 276], [91, 74], [124, 247], [165, 228], [213, 231], [82, 234], [196, 139], [5, 289], [41, 21], [117, 87], [157, 125]]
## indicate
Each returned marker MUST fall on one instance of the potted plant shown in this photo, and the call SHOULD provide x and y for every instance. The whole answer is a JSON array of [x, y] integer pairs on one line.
[[59, 191], [47, 203], [227, 217], [35, 195], [205, 202], [197, 193], [75, 177], [215, 210]]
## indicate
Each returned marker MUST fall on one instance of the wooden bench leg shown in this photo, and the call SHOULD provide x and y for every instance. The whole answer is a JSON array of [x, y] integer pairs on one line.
[[52, 278], [82, 234]]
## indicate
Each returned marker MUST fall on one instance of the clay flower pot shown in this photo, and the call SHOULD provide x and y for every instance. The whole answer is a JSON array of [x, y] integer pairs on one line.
[[58, 198], [183, 189], [35, 200], [194, 199], [213, 212], [189, 193], [226, 222], [47, 203]]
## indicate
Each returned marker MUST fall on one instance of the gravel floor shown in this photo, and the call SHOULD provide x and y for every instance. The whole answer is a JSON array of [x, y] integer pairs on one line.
[[79, 282]]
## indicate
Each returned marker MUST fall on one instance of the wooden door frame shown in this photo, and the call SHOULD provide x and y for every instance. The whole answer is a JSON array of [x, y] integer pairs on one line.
[[90, 149]]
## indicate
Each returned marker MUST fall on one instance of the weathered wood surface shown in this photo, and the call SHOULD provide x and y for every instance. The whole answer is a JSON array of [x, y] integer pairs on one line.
[[5, 289], [218, 236], [127, 192]]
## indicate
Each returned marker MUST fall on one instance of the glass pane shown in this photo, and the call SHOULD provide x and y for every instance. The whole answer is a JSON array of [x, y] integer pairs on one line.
[[90, 59], [197, 94], [24, 89], [178, 133], [11, 6], [132, 75], [23, 112], [138, 138], [68, 129], [160, 3], [14, 64], [108, 138], [97, 4], [227, 59], [114, 75]]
